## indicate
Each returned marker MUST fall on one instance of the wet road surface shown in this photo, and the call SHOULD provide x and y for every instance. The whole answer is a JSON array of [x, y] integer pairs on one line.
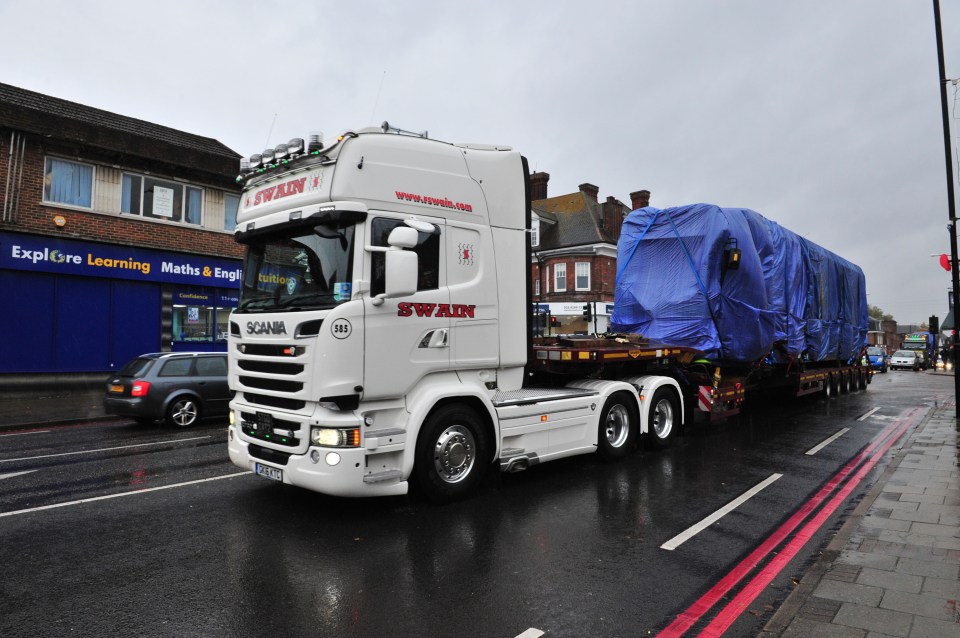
[[120, 529]]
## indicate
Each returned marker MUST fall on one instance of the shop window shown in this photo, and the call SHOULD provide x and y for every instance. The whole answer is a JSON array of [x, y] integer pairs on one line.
[[427, 249], [193, 323], [69, 183], [223, 323], [161, 199], [231, 203]]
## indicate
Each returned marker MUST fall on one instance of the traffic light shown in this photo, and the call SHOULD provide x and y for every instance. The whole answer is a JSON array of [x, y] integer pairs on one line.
[[934, 324], [554, 322], [587, 312]]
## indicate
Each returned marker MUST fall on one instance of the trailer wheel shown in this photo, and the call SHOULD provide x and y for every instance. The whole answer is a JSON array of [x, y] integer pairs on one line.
[[618, 427], [864, 379], [844, 383], [663, 418], [451, 457], [828, 387]]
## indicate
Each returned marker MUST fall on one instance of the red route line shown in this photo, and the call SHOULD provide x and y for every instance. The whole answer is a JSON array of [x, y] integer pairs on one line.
[[734, 608], [695, 612]]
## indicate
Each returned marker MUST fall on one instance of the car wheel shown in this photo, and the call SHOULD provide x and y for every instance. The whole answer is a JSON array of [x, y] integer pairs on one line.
[[617, 428], [451, 457], [663, 419], [183, 412]]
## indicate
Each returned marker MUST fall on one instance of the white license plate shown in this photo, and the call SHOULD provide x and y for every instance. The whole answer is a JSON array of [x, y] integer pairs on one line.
[[269, 472]]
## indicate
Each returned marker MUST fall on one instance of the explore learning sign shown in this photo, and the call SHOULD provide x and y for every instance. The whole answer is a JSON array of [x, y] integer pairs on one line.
[[63, 256]]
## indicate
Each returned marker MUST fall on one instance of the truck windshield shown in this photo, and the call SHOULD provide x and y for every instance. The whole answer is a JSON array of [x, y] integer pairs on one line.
[[308, 270]]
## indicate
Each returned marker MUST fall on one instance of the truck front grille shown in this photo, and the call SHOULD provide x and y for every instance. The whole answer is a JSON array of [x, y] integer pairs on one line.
[[274, 385], [274, 402]]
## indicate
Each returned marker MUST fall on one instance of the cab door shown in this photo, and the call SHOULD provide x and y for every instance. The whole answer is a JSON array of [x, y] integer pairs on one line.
[[407, 338]]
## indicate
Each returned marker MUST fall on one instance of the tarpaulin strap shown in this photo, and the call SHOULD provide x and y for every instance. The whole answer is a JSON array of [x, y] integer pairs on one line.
[[635, 246], [693, 269]]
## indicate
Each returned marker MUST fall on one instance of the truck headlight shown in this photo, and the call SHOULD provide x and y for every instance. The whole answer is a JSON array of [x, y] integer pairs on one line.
[[335, 437]]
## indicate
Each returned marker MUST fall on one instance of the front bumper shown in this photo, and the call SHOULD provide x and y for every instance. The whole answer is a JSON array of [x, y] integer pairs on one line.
[[346, 478]]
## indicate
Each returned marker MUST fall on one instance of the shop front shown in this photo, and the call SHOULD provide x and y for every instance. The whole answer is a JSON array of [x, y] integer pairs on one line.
[[75, 306]]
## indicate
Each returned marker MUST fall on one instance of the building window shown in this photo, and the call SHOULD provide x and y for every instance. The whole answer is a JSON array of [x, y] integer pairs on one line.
[[536, 287], [161, 199], [231, 203], [583, 275], [535, 232], [68, 183], [559, 277]]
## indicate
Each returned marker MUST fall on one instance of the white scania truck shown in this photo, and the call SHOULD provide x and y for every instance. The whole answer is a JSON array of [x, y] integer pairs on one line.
[[382, 337]]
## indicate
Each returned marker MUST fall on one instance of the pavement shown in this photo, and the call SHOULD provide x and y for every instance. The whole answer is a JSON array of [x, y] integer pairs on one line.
[[893, 568], [50, 407]]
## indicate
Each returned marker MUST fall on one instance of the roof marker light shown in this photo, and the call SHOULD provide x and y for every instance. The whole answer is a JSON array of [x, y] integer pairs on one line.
[[280, 152], [255, 161], [267, 156], [295, 146]]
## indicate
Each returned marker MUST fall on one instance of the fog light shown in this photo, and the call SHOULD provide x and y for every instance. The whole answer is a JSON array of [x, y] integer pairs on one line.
[[332, 458], [315, 456]]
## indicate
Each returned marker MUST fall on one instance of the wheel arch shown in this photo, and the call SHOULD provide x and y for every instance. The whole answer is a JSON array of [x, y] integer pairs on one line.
[[429, 398], [605, 389], [647, 386], [179, 394]]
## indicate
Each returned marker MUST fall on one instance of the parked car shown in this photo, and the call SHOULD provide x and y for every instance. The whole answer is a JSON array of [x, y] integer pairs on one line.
[[905, 359], [178, 387], [878, 358]]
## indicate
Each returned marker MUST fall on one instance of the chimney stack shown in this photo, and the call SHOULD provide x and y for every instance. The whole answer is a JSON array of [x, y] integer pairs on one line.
[[640, 199], [613, 217], [590, 191], [538, 186]]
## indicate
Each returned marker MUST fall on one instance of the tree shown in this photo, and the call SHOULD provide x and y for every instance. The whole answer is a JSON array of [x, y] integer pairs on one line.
[[877, 313]]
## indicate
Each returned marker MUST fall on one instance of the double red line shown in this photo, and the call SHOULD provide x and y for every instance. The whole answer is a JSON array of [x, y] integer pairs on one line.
[[846, 480]]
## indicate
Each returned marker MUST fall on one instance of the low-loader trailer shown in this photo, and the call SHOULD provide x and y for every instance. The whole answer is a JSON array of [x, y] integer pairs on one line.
[[383, 339]]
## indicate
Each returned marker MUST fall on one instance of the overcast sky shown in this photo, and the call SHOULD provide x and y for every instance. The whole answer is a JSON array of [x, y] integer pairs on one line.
[[823, 115]]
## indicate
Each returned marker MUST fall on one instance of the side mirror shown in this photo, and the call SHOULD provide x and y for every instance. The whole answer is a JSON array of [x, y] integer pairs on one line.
[[401, 265], [401, 273]]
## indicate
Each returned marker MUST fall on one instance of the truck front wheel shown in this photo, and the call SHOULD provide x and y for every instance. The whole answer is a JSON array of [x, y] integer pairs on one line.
[[663, 419], [618, 427], [451, 458]]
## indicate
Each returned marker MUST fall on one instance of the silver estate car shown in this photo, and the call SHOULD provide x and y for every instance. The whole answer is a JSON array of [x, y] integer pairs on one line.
[[906, 359]]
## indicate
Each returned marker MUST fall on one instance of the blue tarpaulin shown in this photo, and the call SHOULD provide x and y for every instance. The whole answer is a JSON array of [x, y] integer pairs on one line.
[[787, 297]]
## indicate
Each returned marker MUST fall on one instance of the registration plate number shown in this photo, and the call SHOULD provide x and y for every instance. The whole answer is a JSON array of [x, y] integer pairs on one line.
[[269, 472], [116, 388]]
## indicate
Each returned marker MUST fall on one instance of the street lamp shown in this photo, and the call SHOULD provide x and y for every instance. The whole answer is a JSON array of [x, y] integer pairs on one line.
[[951, 205]]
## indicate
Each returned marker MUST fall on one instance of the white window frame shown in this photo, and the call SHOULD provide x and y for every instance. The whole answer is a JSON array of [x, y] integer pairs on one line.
[[559, 272], [47, 173], [184, 187], [535, 232], [536, 287], [581, 269]]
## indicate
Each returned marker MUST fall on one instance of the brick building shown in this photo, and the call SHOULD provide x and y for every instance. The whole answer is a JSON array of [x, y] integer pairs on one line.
[[115, 239], [574, 243]]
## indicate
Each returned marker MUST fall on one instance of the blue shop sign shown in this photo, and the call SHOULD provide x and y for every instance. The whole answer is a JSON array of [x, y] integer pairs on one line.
[[64, 256]]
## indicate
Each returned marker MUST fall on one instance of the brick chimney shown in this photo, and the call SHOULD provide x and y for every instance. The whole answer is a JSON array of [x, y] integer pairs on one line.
[[640, 199], [612, 217], [590, 191], [538, 186]]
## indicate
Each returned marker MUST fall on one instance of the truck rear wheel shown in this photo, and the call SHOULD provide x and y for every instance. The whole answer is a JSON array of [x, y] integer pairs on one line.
[[451, 458], [618, 427], [663, 419]]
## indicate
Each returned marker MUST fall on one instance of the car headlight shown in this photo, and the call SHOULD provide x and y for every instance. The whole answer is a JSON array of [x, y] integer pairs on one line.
[[335, 437]]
